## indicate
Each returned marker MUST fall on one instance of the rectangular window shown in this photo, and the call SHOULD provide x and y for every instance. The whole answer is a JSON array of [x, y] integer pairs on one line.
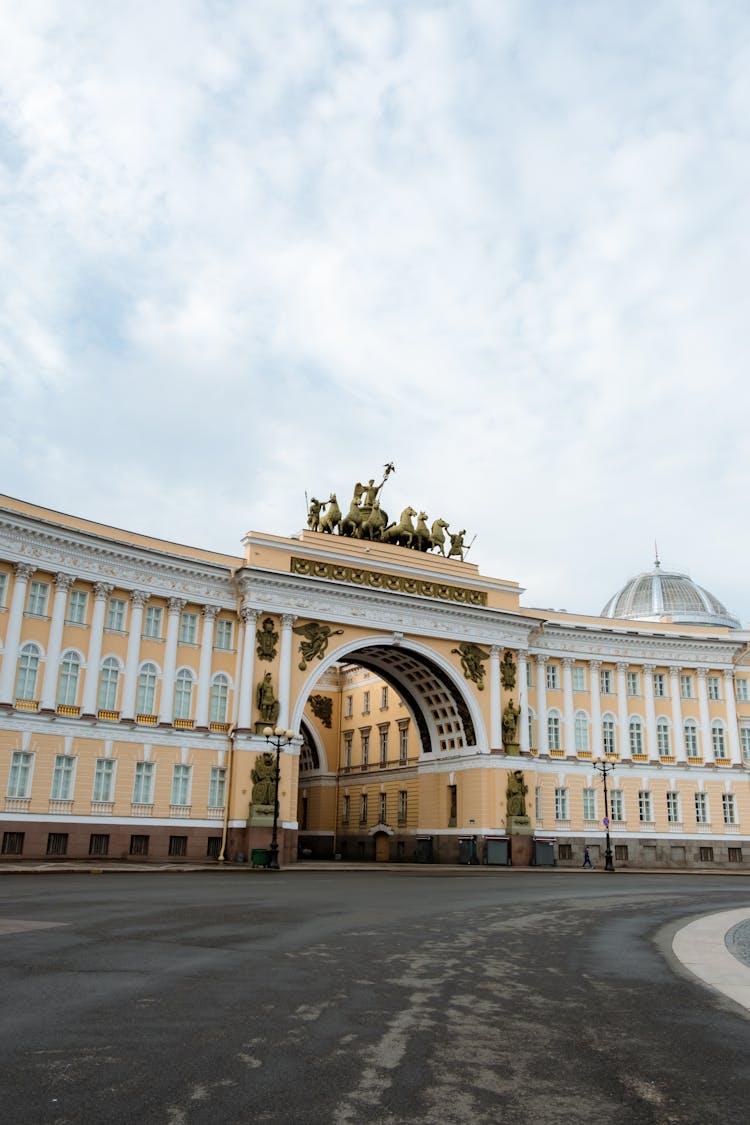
[[579, 679], [116, 615], [582, 731], [561, 804], [608, 736], [701, 809], [57, 843], [589, 804], [714, 687], [564, 851], [364, 736], [538, 804], [77, 607], [143, 783], [403, 742], [634, 683], [19, 779], [189, 629], [617, 806], [745, 741], [139, 845], [181, 785], [645, 807], [735, 855], [660, 685], [382, 807], [452, 806], [348, 706], [13, 843], [686, 685], [104, 780], [383, 739], [213, 847], [363, 808], [348, 737], [346, 809], [720, 746], [384, 698], [706, 855], [402, 806], [99, 843], [691, 740], [223, 634], [152, 626], [553, 731], [365, 703], [673, 807], [3, 587], [740, 687], [38, 595], [553, 677], [62, 778], [529, 677], [606, 680], [729, 808], [178, 845], [621, 852], [217, 787]]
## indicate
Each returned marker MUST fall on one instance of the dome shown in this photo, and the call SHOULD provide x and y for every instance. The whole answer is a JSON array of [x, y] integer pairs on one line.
[[657, 594]]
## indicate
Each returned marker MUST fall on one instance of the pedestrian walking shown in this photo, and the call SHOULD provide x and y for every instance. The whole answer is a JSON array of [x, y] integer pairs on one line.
[[586, 858]]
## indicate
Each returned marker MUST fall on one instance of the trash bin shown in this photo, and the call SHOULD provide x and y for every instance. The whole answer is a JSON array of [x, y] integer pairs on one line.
[[260, 857]]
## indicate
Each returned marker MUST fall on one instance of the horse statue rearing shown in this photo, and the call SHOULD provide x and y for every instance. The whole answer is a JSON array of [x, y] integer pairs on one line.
[[401, 533], [332, 518], [374, 523]]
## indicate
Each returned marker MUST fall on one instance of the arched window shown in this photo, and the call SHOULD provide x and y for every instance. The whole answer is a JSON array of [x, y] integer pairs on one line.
[[183, 693], [109, 678], [663, 740], [582, 731], [718, 739], [146, 690], [636, 735], [67, 685], [691, 738], [28, 668], [219, 698], [609, 742], [553, 730]]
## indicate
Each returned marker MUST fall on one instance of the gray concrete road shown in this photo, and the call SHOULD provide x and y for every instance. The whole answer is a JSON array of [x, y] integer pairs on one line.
[[426, 997]]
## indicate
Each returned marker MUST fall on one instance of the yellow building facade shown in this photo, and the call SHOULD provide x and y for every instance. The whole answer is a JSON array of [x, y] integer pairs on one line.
[[436, 719]]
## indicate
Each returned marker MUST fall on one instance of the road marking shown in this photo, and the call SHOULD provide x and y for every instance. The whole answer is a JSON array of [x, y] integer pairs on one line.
[[701, 948], [20, 926]]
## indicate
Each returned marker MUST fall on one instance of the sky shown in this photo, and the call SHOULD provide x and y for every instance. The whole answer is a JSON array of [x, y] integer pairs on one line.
[[252, 249]]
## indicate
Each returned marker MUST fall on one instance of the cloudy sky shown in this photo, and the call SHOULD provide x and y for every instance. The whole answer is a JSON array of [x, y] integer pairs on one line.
[[250, 248]]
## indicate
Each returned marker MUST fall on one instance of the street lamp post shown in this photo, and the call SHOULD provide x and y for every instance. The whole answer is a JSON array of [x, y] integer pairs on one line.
[[605, 768], [278, 738]]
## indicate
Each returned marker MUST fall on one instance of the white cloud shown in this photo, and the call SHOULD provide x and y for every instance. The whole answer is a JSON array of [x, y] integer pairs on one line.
[[254, 249]]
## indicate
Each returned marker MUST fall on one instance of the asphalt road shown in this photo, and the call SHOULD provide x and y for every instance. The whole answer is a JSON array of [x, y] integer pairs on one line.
[[346, 998]]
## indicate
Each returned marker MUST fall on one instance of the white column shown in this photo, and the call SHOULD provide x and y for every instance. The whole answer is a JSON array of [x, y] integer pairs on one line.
[[63, 582], [175, 607], [102, 590], [734, 734], [707, 744], [138, 599], [678, 739], [244, 712], [285, 667], [523, 702], [496, 736], [623, 740], [596, 708], [541, 705], [648, 693], [24, 572], [204, 668], [569, 708]]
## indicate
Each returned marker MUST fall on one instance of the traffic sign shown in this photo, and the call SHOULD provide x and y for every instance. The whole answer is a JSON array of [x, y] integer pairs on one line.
[[605, 821]]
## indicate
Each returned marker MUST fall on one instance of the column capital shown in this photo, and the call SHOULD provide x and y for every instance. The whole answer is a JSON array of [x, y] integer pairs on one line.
[[622, 666], [541, 657], [674, 669], [701, 673], [211, 612], [249, 615], [288, 619], [568, 661], [495, 650], [139, 597], [64, 581], [24, 570], [102, 590], [176, 605], [729, 674], [595, 665], [648, 669]]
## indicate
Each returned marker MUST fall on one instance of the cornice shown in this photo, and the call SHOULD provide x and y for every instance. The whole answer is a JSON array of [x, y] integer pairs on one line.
[[663, 649], [22, 539], [277, 592]]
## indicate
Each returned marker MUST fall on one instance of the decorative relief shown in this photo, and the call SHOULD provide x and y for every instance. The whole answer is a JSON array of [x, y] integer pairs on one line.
[[508, 670], [315, 643], [322, 708], [267, 639], [472, 662], [394, 583]]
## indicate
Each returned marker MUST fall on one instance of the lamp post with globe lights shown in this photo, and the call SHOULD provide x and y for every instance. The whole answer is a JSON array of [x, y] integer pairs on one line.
[[605, 768], [278, 738]]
